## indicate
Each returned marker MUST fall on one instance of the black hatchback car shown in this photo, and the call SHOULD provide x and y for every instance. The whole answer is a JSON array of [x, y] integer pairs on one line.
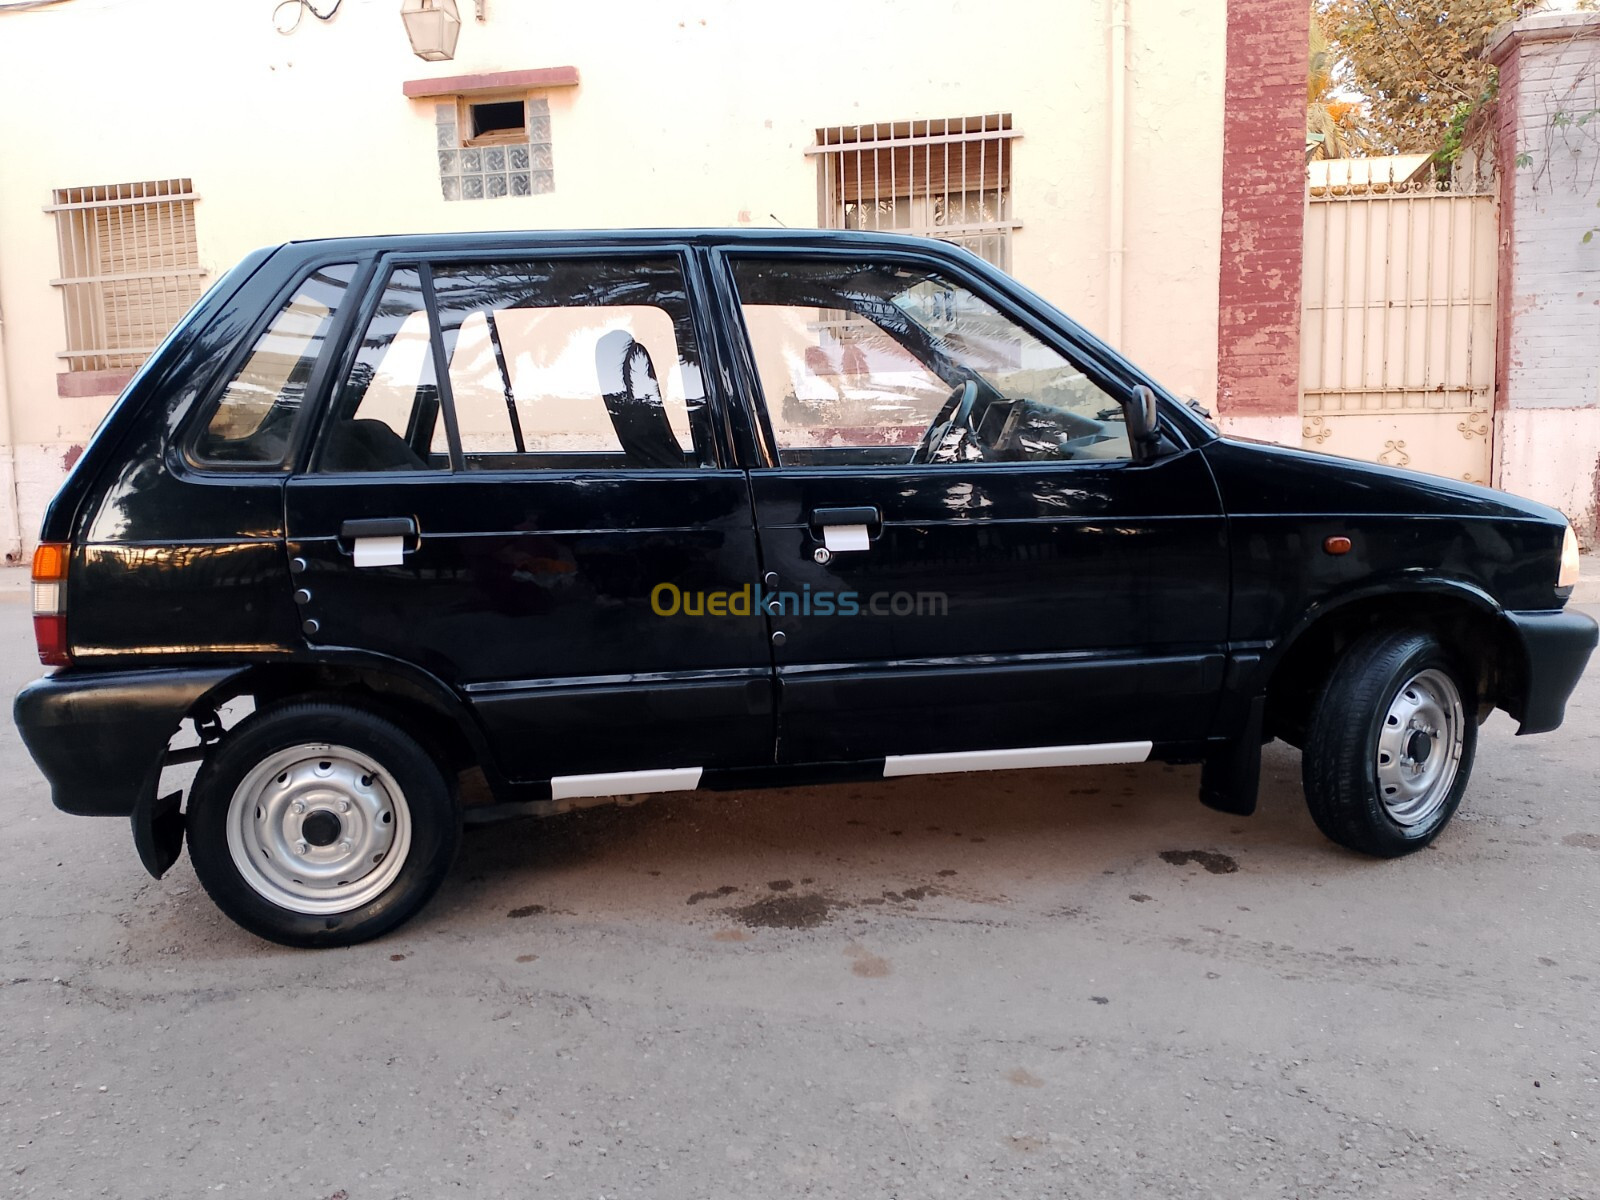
[[616, 513]]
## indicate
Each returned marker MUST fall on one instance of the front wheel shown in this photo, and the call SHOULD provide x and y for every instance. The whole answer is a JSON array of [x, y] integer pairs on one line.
[[1390, 744], [316, 824]]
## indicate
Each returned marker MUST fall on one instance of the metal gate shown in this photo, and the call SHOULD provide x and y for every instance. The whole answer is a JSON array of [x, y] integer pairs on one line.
[[1398, 324]]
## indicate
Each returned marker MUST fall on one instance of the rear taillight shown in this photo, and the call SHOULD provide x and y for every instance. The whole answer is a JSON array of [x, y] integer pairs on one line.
[[50, 603]]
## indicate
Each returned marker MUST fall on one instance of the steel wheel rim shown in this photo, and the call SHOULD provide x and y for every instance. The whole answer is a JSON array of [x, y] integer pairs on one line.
[[1419, 747], [318, 829]]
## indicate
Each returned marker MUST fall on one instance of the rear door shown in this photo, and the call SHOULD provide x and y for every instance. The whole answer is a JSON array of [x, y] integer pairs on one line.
[[962, 553], [519, 453]]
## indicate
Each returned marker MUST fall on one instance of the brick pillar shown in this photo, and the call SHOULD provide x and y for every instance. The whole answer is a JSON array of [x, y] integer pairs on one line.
[[1263, 219], [1547, 348]]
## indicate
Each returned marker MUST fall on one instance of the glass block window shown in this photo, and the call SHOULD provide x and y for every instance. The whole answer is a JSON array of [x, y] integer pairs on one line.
[[494, 148]]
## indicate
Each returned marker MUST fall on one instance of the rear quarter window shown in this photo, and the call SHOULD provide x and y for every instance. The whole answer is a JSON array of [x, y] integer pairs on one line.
[[250, 422]]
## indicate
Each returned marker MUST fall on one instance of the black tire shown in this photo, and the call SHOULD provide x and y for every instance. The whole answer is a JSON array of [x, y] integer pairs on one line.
[[406, 791], [1340, 760]]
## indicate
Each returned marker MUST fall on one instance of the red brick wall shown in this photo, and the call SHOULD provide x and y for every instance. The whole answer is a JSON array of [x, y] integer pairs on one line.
[[80, 384], [1263, 208]]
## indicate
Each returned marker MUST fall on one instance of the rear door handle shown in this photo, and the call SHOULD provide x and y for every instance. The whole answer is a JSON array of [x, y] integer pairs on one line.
[[378, 527], [846, 529], [379, 541]]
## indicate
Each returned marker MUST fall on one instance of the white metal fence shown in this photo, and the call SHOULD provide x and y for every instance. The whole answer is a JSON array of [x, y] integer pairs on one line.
[[1398, 332]]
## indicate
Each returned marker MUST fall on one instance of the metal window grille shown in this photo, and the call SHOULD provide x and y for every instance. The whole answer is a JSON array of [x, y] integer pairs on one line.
[[130, 268], [947, 178]]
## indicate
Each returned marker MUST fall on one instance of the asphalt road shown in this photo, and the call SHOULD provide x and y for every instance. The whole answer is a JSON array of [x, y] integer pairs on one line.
[[1058, 983]]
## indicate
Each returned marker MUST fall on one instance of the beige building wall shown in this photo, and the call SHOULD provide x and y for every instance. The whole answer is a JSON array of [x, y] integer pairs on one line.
[[686, 114]]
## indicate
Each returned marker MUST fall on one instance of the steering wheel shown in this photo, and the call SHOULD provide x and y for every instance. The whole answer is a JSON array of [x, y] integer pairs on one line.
[[956, 413]]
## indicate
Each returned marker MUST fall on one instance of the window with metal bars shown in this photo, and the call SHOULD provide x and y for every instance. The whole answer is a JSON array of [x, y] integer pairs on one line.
[[948, 178], [130, 268]]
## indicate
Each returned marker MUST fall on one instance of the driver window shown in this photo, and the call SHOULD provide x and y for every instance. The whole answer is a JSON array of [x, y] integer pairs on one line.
[[872, 363], [833, 378]]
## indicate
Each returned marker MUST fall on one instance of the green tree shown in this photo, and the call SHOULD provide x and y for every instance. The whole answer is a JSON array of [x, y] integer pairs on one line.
[[1418, 64], [1335, 122]]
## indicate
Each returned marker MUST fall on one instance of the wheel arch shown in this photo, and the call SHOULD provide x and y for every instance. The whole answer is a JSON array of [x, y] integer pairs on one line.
[[1464, 618], [422, 704]]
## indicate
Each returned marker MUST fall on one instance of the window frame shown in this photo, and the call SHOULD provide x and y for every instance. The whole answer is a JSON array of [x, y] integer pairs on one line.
[[752, 396], [383, 266], [499, 137], [193, 426]]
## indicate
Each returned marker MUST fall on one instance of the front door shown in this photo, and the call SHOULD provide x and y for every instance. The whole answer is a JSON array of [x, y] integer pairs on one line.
[[521, 451], [962, 554]]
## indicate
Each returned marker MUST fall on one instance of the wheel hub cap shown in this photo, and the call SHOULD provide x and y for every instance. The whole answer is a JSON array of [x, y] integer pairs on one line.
[[318, 829], [321, 828], [1419, 747]]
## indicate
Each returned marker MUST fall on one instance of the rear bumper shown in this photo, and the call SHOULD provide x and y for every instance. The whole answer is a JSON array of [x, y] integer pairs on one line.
[[1555, 648], [100, 738]]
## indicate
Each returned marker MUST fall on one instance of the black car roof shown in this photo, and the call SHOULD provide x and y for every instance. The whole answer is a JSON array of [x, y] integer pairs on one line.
[[403, 243]]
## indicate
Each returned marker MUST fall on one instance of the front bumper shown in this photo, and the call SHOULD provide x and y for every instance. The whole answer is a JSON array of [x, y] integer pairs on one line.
[[1556, 646], [101, 737]]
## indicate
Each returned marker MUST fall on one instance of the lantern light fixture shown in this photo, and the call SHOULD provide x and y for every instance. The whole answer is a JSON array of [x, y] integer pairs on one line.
[[432, 26]]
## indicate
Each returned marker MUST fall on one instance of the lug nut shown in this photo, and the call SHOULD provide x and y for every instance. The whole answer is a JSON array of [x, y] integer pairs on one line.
[[299, 807], [301, 847], [344, 806], [344, 846]]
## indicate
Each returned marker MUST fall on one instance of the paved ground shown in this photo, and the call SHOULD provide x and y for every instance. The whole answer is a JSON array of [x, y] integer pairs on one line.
[[1017, 985]]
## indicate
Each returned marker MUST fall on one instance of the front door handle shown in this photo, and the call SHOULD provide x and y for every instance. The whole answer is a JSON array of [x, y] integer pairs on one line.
[[824, 517], [845, 529]]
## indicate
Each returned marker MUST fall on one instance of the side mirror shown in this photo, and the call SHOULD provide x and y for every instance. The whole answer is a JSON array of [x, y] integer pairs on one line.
[[1143, 418]]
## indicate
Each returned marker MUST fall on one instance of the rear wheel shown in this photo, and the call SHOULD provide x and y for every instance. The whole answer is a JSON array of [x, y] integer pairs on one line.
[[317, 824], [1390, 745]]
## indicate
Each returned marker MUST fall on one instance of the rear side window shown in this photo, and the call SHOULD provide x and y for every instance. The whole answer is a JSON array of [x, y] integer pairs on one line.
[[563, 364], [573, 363], [251, 421]]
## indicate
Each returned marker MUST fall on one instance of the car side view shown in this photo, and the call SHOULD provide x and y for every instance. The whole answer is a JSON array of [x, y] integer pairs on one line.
[[607, 514]]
